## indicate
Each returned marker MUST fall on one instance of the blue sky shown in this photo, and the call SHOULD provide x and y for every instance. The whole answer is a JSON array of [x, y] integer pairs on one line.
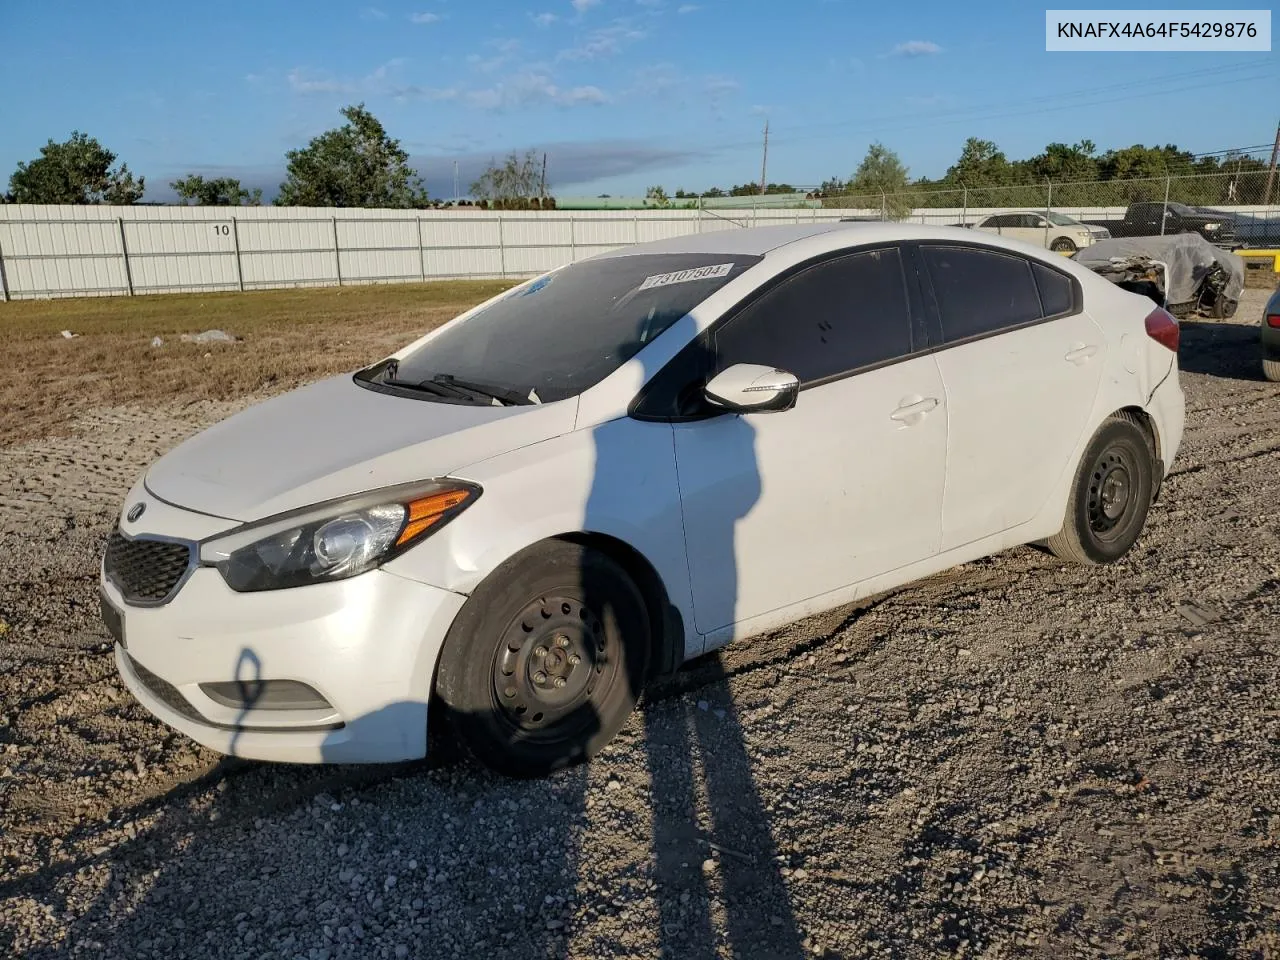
[[620, 93]]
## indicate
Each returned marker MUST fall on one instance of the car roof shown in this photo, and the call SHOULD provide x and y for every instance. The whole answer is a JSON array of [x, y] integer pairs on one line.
[[760, 241]]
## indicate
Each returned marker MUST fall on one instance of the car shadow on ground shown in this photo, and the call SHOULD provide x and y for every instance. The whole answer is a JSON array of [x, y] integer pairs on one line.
[[1216, 349]]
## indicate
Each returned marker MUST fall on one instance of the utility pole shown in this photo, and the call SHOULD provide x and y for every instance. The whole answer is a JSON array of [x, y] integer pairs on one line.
[[1271, 173], [542, 188], [764, 161], [455, 182]]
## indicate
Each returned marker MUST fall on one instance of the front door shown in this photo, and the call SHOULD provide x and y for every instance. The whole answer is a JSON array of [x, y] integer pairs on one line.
[[783, 507]]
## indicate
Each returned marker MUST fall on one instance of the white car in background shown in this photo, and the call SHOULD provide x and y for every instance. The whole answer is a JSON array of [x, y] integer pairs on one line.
[[1055, 231], [523, 517]]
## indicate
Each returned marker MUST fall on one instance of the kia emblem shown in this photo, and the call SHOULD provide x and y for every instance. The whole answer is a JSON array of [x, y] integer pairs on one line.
[[137, 510]]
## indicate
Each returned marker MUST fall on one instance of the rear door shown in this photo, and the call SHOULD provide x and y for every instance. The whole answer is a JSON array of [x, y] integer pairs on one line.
[[1026, 227], [1021, 363], [994, 224]]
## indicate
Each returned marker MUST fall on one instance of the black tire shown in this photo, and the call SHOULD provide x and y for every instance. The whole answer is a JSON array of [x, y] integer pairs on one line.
[[1224, 308], [1111, 494], [515, 696], [1063, 245], [1271, 369]]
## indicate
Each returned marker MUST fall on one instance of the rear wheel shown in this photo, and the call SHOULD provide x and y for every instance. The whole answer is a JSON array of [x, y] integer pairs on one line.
[[1271, 370], [1110, 496], [1062, 245], [546, 660], [1224, 308]]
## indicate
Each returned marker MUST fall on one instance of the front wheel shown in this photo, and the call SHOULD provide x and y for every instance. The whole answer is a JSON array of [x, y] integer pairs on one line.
[[1062, 245], [546, 660], [1110, 496]]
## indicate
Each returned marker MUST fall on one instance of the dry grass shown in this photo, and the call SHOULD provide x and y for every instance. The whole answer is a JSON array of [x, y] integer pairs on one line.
[[290, 337]]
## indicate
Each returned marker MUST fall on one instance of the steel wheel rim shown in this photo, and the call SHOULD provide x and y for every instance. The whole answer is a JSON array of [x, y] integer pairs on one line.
[[1111, 494], [553, 658]]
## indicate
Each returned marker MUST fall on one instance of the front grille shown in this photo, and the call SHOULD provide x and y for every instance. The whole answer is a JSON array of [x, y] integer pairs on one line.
[[145, 571]]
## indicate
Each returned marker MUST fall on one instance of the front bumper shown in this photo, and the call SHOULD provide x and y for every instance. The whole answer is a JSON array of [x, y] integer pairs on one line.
[[367, 645]]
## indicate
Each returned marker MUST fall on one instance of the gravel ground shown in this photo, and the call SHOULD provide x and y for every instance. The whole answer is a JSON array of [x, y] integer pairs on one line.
[[1014, 758]]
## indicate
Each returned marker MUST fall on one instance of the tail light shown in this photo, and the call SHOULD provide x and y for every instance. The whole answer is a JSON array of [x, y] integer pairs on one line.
[[1273, 320], [1162, 328]]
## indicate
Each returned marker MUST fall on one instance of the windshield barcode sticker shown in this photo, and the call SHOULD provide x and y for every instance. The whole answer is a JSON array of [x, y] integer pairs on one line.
[[684, 276]]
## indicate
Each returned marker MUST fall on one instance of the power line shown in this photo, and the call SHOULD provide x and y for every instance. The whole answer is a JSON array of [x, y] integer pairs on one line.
[[894, 123]]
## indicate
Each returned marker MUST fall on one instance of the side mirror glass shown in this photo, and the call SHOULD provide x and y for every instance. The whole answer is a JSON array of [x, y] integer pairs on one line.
[[752, 388]]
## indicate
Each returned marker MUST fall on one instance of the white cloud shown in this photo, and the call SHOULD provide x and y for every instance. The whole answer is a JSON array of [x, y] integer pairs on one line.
[[424, 17], [373, 13], [601, 44], [916, 48], [687, 8], [531, 90], [378, 81], [544, 19], [582, 6]]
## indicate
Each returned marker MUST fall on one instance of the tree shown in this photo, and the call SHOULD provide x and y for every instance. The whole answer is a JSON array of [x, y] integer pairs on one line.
[[1060, 162], [355, 165], [658, 196], [981, 164], [78, 170], [511, 184], [215, 192], [882, 173]]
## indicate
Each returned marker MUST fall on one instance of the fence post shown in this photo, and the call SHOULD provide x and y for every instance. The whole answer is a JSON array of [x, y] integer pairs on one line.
[[337, 256], [502, 250], [573, 241], [4, 280], [235, 238], [699, 228], [635, 229], [124, 252], [1164, 211], [964, 207], [1048, 205], [883, 208], [422, 257]]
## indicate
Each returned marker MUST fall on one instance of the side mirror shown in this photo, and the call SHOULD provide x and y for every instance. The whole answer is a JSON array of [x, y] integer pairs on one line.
[[752, 388]]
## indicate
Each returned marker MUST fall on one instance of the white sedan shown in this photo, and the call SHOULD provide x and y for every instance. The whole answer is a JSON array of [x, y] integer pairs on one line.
[[517, 521]]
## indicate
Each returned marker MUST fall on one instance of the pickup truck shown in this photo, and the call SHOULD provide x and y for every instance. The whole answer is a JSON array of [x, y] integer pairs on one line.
[[1143, 220]]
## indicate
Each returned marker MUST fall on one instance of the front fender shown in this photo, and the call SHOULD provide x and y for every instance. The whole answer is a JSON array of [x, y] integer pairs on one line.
[[617, 479]]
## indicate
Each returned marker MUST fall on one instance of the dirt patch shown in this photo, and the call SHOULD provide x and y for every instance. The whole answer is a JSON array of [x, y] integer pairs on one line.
[[290, 337], [1013, 758]]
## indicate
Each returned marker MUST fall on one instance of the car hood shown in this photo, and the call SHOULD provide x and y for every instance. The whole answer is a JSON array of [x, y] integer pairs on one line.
[[333, 439]]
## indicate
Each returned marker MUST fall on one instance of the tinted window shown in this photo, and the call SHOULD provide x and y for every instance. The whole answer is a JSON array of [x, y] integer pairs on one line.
[[568, 331], [980, 291], [997, 221], [1055, 291], [833, 317]]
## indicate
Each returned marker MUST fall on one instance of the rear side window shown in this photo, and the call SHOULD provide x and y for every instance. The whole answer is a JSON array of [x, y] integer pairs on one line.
[[1055, 290], [980, 291], [831, 318]]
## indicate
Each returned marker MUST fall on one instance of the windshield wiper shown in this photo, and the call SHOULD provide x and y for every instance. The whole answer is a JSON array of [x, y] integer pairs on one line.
[[504, 396], [434, 389]]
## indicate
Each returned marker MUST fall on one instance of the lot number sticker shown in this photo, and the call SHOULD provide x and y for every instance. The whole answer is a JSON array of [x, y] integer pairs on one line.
[[686, 276]]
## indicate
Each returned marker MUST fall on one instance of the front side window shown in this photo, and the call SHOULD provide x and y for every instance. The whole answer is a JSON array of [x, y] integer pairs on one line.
[[567, 331], [836, 316]]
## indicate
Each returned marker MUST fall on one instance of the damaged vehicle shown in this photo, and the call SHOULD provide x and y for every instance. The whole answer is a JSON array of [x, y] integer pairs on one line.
[[1184, 273]]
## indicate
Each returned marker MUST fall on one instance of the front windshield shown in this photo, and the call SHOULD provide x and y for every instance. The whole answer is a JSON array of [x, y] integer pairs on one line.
[[1058, 220], [568, 330]]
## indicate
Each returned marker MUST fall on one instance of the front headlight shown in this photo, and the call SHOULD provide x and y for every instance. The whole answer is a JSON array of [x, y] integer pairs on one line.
[[1212, 226], [334, 540]]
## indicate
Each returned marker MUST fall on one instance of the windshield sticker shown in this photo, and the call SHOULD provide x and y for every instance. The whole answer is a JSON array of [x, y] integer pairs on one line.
[[686, 276]]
